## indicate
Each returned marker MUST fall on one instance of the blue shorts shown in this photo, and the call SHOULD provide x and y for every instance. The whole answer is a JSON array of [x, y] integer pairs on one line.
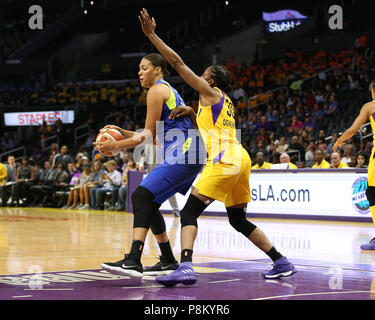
[[166, 180]]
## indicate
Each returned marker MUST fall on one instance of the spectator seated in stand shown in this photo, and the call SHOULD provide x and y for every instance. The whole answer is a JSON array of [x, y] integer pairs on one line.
[[8, 187], [260, 163], [362, 160], [319, 161], [282, 146], [299, 154], [336, 161], [309, 124], [77, 192], [40, 181], [122, 194], [25, 176], [260, 147], [60, 184], [295, 126], [63, 157], [284, 158], [109, 182], [92, 182], [310, 153], [3, 177], [46, 184], [350, 156]]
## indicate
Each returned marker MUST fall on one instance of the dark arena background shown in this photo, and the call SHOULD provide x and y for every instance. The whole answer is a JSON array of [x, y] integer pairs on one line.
[[301, 72]]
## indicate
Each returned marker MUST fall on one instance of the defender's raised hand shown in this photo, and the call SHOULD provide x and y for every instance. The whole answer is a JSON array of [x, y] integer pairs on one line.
[[179, 111], [148, 24]]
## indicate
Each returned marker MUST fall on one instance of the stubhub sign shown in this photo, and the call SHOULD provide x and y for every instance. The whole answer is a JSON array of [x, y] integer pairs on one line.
[[282, 20], [282, 26]]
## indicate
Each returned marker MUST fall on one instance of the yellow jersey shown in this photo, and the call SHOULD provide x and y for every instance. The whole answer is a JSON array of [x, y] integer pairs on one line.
[[292, 166], [225, 176], [3, 173], [217, 127], [342, 165], [323, 165], [265, 165], [372, 122], [371, 165]]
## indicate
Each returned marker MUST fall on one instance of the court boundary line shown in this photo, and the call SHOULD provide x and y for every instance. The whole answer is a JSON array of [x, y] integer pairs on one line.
[[310, 294], [202, 264]]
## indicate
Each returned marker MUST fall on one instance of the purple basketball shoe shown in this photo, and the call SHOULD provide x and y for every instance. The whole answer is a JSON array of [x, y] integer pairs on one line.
[[184, 274]]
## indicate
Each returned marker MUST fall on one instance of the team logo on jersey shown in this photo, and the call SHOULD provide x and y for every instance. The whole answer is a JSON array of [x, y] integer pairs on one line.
[[359, 198]]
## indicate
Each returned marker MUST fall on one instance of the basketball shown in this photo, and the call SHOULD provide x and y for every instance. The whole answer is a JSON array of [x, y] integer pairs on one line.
[[105, 134]]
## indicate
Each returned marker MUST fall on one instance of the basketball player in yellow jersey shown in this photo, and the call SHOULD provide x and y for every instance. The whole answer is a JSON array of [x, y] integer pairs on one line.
[[226, 173], [367, 113]]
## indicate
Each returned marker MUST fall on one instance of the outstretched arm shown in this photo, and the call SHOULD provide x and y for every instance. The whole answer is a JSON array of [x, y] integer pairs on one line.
[[125, 133], [196, 82], [181, 111], [155, 98], [358, 122]]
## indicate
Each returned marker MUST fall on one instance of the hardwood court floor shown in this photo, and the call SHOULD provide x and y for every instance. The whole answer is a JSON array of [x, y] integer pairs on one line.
[[50, 241]]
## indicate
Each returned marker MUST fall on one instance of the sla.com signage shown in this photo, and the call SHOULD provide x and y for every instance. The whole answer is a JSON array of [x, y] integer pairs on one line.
[[339, 194], [37, 118]]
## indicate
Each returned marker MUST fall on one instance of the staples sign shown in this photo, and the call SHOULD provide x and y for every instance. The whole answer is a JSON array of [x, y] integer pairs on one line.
[[36, 118]]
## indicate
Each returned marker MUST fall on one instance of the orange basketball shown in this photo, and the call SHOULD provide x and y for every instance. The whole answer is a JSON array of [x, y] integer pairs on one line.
[[105, 134]]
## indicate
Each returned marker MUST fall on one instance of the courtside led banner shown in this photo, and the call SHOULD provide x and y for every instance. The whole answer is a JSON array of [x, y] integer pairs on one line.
[[340, 194], [36, 118]]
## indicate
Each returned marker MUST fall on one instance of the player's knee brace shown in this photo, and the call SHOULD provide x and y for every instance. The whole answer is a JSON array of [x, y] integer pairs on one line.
[[370, 194], [237, 219], [157, 221], [191, 211], [142, 200]]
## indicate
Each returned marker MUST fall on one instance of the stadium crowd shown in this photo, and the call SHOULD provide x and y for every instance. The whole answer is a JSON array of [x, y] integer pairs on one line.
[[63, 180], [290, 125], [13, 33]]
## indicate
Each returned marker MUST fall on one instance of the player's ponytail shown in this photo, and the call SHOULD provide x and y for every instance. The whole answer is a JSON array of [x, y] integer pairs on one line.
[[222, 77], [157, 60]]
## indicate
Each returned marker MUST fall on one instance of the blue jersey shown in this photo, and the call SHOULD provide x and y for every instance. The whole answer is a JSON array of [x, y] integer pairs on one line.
[[182, 151], [180, 142]]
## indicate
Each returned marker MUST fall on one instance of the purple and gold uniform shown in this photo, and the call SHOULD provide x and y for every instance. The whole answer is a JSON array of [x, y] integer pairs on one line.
[[226, 174]]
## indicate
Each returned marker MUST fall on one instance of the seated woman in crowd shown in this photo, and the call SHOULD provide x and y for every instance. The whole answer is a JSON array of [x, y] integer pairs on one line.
[[362, 160], [122, 193], [25, 173], [350, 156], [92, 182], [108, 182], [77, 191]]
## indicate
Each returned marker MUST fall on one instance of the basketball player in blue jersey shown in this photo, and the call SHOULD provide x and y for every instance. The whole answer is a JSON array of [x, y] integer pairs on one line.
[[226, 174], [367, 114], [175, 173]]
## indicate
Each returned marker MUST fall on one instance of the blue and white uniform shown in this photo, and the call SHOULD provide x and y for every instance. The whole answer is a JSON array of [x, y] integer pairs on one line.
[[182, 152]]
